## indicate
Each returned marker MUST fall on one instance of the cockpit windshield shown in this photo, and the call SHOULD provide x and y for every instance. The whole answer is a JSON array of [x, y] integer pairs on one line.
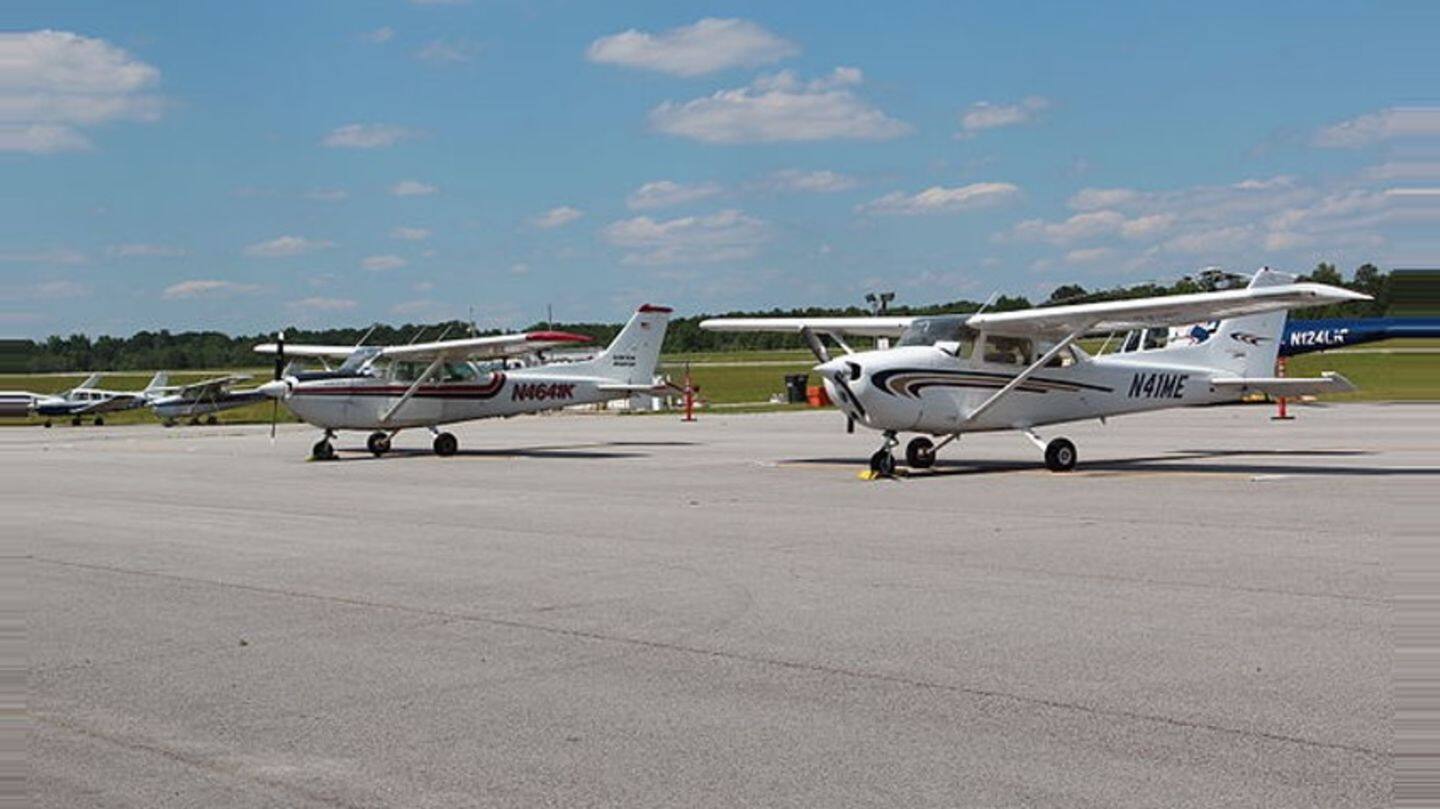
[[927, 331]]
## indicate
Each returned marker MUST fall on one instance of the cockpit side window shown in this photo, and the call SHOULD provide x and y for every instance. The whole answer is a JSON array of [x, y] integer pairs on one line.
[[1009, 350], [457, 372]]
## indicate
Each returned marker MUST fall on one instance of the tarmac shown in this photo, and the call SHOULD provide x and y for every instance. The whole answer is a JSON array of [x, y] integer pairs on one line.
[[633, 611]]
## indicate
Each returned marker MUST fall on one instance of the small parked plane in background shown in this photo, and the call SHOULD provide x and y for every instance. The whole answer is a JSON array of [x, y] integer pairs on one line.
[[82, 401], [955, 374], [172, 403], [386, 389]]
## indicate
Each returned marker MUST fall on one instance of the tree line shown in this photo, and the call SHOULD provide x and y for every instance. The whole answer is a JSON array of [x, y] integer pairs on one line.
[[150, 350]]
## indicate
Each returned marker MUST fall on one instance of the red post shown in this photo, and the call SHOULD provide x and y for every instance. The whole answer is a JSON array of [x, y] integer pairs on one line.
[[1284, 414], [689, 396]]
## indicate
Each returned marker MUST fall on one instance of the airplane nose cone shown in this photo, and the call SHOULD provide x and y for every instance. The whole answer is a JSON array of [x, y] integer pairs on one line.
[[279, 389]]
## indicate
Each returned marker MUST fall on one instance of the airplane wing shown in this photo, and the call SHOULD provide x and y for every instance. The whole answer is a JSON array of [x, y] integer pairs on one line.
[[500, 345], [1140, 313], [208, 387], [857, 326], [292, 350]]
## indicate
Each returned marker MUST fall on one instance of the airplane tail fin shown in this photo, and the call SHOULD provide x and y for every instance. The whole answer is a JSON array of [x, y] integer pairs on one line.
[[90, 382], [632, 356], [1248, 346], [157, 383]]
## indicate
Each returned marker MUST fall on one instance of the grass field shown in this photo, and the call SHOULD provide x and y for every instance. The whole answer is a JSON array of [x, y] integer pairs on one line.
[[748, 378]]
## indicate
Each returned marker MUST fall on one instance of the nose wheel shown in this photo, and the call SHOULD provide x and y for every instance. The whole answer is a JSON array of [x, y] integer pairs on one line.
[[882, 463]]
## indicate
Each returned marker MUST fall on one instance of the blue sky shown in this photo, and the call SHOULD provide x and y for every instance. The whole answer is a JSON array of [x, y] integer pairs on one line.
[[242, 166]]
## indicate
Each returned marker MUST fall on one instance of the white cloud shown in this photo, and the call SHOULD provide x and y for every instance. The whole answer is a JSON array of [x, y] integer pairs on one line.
[[1387, 124], [286, 246], [819, 182], [692, 50], [413, 188], [556, 217], [519, 268], [1405, 170], [419, 307], [54, 83], [780, 108], [327, 194], [984, 115], [665, 193], [441, 51], [1089, 255], [367, 136], [939, 199], [323, 304], [1090, 199], [55, 255], [382, 263], [728, 235], [144, 251], [208, 288], [410, 234], [379, 36]]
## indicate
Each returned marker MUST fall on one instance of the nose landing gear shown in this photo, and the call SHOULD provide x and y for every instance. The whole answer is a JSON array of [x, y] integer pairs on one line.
[[882, 463]]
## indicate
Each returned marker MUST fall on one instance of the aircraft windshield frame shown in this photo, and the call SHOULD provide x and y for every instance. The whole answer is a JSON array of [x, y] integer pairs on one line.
[[927, 331]]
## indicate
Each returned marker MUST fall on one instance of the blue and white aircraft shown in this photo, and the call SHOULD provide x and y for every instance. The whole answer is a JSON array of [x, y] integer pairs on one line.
[[86, 400]]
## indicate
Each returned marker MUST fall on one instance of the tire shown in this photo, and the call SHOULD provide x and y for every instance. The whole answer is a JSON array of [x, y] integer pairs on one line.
[[446, 445], [49, 424], [883, 463], [75, 422], [920, 453], [378, 443], [1060, 455], [323, 450], [99, 422], [212, 421]]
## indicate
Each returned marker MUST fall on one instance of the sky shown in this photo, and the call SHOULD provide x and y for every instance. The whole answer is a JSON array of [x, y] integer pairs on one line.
[[248, 166]]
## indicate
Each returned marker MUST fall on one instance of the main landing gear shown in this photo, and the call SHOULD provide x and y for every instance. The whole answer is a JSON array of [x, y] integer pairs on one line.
[[446, 444], [378, 443], [1060, 455]]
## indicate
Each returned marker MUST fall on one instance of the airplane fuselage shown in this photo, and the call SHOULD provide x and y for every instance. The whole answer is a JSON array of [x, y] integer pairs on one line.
[[362, 403], [928, 390]]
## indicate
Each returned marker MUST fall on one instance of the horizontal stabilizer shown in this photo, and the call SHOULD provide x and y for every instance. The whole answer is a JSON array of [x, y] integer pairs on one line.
[[1328, 382], [622, 387]]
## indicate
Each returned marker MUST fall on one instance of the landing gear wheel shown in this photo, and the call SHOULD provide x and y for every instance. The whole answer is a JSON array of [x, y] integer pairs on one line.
[[920, 453], [883, 463], [212, 421], [99, 422], [1060, 455], [76, 422], [323, 450], [168, 423], [378, 443], [49, 424], [446, 445]]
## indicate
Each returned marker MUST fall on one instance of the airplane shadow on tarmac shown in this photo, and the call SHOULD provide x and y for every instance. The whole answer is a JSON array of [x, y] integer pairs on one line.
[[586, 452], [1190, 461]]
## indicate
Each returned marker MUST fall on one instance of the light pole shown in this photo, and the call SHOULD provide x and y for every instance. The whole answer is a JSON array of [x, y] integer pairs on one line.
[[879, 305]]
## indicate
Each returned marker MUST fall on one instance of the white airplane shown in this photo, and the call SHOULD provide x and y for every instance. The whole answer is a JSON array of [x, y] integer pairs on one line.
[[955, 374], [386, 389], [82, 400], [172, 403]]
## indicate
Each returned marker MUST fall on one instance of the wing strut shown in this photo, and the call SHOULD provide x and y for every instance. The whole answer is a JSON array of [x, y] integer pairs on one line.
[[816, 344], [1024, 375], [419, 380]]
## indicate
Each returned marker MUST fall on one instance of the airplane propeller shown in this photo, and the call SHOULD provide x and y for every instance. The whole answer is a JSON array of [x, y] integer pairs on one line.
[[279, 375]]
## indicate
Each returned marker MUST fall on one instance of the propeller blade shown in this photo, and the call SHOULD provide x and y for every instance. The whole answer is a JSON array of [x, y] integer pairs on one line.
[[279, 355], [274, 416]]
